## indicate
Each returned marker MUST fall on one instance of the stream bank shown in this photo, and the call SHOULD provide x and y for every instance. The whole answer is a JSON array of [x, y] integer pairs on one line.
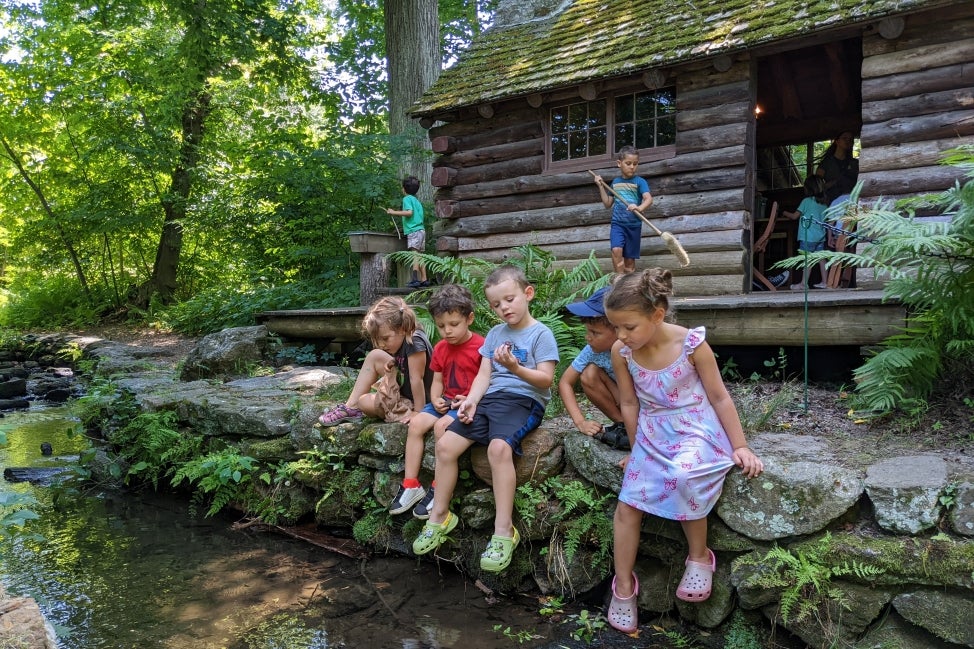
[[825, 499]]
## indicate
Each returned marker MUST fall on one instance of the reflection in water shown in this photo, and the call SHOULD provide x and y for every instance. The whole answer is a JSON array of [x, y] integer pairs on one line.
[[139, 570]]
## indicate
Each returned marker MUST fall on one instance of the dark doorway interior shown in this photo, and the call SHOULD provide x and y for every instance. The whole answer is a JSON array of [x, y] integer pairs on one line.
[[805, 98]]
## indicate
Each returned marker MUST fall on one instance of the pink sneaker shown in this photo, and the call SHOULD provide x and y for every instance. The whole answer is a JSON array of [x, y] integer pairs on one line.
[[340, 414]]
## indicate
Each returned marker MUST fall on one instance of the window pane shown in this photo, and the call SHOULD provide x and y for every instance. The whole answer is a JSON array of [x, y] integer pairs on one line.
[[644, 135], [559, 147], [597, 141], [576, 144], [577, 117], [645, 105], [596, 113], [623, 135], [559, 119], [666, 102], [666, 131], [624, 109]]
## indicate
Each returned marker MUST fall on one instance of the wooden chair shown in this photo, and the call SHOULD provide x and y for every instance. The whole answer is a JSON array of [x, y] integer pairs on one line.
[[760, 247]]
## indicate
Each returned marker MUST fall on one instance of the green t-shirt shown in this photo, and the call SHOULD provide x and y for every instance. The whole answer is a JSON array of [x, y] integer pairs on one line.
[[412, 223]]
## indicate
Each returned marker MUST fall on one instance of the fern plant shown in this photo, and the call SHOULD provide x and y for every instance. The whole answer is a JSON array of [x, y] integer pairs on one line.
[[806, 577], [581, 516], [931, 268], [554, 288], [153, 446], [221, 476]]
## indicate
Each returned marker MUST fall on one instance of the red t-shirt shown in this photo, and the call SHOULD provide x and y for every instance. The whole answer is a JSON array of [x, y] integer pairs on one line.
[[459, 364]]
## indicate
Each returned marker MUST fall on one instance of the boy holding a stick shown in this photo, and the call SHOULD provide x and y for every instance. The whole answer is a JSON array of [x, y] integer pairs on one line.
[[626, 229]]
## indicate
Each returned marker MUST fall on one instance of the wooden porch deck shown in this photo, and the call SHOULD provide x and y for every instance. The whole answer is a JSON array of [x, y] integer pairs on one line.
[[839, 317]]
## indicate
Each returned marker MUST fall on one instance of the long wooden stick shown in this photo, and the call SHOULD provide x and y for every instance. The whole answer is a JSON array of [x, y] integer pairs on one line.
[[670, 241]]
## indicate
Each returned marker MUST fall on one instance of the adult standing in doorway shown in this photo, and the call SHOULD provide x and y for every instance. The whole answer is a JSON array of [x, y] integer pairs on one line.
[[838, 167], [841, 171]]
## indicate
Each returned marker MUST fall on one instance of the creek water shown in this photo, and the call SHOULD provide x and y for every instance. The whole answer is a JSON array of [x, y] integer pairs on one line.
[[136, 569]]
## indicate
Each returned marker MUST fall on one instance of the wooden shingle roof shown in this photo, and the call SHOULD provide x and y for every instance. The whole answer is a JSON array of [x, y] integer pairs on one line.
[[598, 39]]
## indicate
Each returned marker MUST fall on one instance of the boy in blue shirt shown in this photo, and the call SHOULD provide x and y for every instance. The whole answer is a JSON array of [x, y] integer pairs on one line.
[[626, 229], [593, 367]]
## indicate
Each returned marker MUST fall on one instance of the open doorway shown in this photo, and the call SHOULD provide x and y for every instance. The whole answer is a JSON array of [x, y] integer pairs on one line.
[[805, 98]]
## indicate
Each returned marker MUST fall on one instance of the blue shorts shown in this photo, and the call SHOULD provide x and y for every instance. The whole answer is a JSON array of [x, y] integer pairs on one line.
[[501, 415], [811, 246], [627, 237], [430, 410]]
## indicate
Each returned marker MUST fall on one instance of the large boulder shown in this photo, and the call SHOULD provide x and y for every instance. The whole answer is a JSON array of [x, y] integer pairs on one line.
[[226, 353], [907, 502]]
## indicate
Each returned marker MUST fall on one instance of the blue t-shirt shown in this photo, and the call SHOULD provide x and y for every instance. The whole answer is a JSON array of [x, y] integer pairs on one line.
[[632, 190], [532, 345], [589, 356], [810, 228]]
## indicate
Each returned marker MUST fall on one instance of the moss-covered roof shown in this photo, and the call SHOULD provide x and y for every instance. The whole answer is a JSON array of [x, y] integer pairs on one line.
[[598, 39]]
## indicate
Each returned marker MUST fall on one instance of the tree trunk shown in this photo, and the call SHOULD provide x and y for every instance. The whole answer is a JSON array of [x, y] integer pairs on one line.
[[413, 64], [166, 266]]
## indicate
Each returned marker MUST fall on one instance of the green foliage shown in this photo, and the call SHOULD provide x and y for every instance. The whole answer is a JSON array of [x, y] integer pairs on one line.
[[520, 637], [931, 268], [152, 446], [805, 577], [15, 513], [555, 287], [221, 307], [757, 403], [220, 476], [587, 625], [579, 511], [740, 634]]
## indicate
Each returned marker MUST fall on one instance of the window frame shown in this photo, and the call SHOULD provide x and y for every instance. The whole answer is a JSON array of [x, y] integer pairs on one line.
[[650, 154]]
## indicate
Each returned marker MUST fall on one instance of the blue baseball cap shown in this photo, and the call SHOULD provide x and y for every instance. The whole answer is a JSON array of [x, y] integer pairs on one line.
[[592, 307]]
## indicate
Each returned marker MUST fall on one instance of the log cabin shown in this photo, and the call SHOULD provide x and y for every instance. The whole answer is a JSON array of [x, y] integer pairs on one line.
[[725, 102]]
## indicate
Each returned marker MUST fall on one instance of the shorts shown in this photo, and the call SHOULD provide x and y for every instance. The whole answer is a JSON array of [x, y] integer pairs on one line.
[[627, 237], [811, 246], [430, 410], [501, 415], [416, 240]]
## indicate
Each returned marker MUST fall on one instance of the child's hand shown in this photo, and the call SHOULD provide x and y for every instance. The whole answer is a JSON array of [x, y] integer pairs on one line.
[[466, 411], [457, 400], [389, 211], [624, 461], [750, 463], [590, 427], [441, 405], [632, 207], [390, 366], [504, 356]]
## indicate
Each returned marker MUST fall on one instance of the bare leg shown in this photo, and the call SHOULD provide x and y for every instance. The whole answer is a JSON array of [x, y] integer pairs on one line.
[[419, 425], [449, 448], [373, 367], [601, 391], [696, 533], [625, 533], [630, 266], [617, 262], [502, 474]]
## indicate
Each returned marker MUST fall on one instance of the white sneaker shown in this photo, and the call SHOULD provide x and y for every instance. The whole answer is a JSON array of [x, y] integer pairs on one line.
[[819, 285], [797, 287], [405, 499]]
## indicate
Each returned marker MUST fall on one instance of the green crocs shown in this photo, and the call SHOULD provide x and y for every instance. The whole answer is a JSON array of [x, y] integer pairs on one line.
[[499, 552], [434, 534]]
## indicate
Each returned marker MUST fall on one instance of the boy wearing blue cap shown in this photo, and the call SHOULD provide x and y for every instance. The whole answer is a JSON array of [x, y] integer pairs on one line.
[[593, 366]]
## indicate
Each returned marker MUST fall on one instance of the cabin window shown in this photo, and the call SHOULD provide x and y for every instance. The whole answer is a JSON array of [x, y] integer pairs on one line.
[[594, 130]]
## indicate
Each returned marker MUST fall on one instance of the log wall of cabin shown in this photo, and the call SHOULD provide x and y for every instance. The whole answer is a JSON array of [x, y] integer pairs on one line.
[[493, 194], [917, 102]]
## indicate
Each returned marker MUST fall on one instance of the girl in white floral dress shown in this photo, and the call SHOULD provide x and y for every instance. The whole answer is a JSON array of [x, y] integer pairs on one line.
[[684, 430]]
